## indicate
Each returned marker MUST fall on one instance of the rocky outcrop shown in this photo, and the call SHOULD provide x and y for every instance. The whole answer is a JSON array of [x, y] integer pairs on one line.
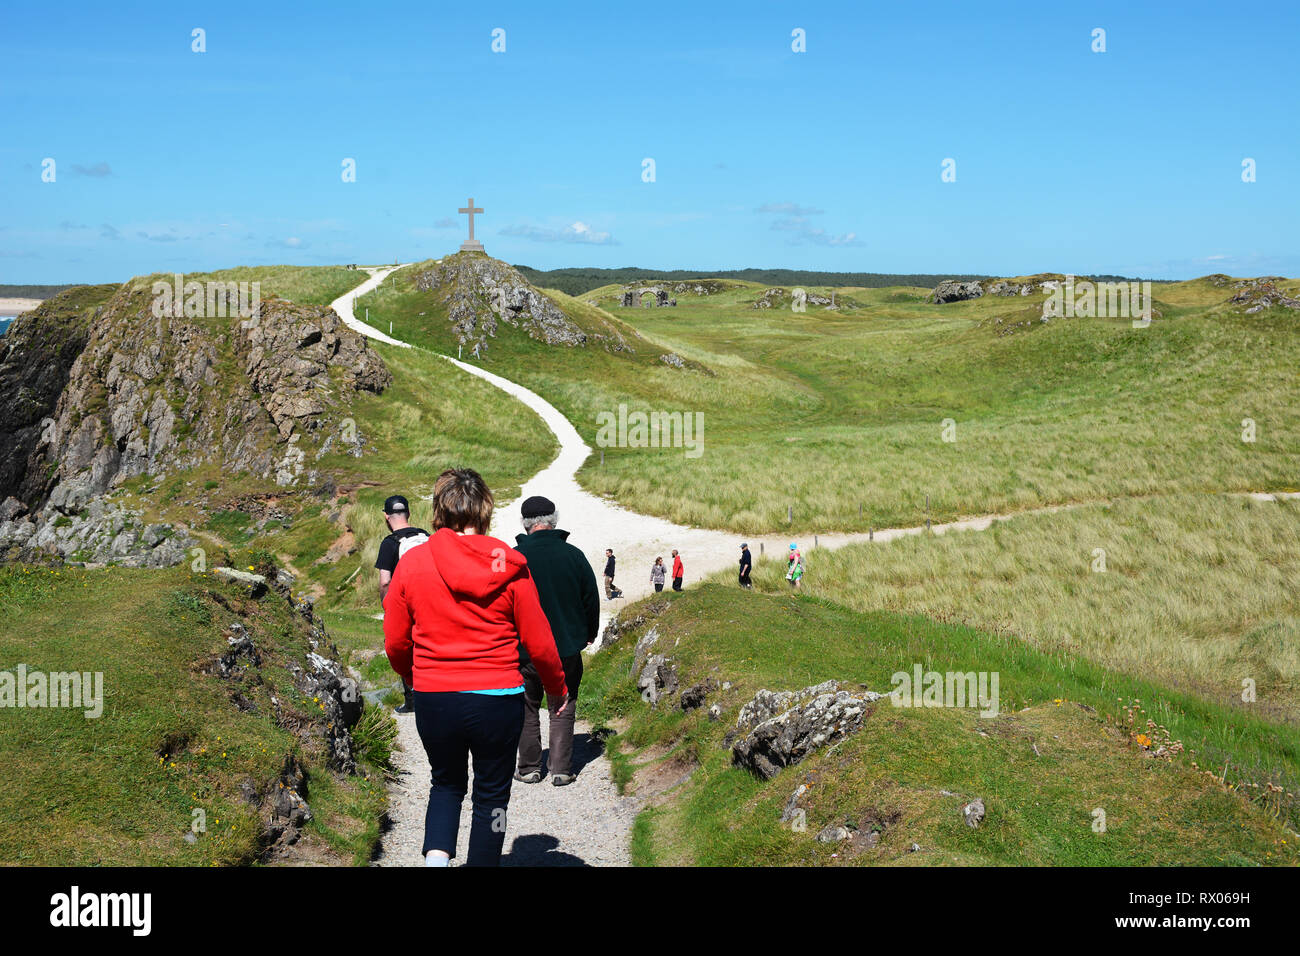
[[695, 696], [480, 293], [1259, 294], [104, 532], [36, 355], [132, 393], [954, 290], [336, 699], [778, 297], [657, 680], [1004, 288], [799, 723], [703, 287]]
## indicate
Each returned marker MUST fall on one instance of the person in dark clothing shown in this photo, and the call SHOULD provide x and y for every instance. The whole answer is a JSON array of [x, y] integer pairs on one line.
[[567, 588], [401, 538], [746, 566], [610, 590]]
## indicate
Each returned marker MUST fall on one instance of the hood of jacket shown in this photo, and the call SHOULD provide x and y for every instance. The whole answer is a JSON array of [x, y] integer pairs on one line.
[[474, 565]]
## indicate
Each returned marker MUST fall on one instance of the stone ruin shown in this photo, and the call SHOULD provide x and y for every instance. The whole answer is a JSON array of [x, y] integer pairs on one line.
[[633, 298]]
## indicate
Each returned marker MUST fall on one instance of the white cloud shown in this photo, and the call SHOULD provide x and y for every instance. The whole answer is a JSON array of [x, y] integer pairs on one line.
[[576, 232]]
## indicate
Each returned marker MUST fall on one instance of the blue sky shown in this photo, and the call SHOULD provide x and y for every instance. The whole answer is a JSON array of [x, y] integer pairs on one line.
[[1127, 161]]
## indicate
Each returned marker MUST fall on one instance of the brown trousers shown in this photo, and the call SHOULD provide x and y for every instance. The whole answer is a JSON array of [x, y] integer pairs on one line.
[[530, 739]]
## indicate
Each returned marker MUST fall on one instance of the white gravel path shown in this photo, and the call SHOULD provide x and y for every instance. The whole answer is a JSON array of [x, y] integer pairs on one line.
[[584, 824]]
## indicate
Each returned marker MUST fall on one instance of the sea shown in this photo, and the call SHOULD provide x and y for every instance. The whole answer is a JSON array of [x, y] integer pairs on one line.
[[4, 323]]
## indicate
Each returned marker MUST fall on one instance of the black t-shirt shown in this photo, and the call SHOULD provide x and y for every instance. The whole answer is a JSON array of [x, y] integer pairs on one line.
[[390, 546], [609, 566]]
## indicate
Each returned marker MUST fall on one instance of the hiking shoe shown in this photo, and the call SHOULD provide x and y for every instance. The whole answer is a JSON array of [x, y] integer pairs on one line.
[[562, 779], [534, 777], [408, 705]]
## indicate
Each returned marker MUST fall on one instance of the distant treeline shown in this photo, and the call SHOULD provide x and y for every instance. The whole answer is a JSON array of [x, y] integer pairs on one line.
[[578, 281], [31, 291]]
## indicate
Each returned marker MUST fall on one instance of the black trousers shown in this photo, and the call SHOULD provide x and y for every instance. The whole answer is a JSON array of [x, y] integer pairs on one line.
[[455, 727], [677, 584], [744, 576]]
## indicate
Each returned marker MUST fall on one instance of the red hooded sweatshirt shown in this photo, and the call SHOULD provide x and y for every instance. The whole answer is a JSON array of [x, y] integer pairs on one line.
[[677, 566], [456, 611]]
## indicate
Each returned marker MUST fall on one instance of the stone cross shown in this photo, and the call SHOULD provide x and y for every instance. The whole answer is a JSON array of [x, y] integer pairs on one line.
[[471, 244]]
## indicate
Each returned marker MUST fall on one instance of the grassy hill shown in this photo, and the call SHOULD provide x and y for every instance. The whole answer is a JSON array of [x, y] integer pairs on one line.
[[1064, 744], [839, 415], [174, 737]]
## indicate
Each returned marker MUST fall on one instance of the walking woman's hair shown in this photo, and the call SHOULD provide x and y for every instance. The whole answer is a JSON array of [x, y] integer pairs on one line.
[[462, 500]]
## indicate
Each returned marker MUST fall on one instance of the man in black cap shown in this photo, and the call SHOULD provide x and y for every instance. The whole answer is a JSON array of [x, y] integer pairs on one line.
[[746, 566], [401, 538], [567, 588]]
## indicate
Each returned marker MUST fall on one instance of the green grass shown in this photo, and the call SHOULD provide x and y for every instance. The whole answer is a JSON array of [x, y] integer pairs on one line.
[[122, 789], [306, 285], [839, 415], [1040, 805], [1197, 590]]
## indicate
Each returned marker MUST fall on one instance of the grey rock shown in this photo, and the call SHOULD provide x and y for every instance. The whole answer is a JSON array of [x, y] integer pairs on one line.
[[255, 583], [954, 290], [793, 734], [658, 679], [767, 704], [832, 834], [973, 813], [792, 805], [693, 697]]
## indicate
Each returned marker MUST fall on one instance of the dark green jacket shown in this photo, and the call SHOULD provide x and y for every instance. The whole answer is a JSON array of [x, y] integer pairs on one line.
[[567, 586]]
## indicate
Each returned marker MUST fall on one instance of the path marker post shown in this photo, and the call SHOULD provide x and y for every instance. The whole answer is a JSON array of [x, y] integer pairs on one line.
[[871, 534], [927, 512]]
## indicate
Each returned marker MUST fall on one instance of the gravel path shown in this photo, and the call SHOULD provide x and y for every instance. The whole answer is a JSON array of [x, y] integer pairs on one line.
[[584, 824]]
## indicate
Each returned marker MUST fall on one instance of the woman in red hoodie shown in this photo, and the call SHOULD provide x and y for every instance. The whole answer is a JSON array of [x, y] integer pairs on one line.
[[457, 609]]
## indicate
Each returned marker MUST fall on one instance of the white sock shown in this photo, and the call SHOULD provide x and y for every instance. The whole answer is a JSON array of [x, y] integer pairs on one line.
[[437, 858]]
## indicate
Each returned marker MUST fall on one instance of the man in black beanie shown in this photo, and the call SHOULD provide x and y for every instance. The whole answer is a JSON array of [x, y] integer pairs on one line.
[[567, 588]]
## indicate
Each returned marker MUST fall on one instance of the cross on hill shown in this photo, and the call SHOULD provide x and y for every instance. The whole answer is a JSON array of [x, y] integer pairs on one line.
[[471, 244]]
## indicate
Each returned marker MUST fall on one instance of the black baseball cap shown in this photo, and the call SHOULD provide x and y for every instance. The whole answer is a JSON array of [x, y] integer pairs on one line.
[[396, 504]]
